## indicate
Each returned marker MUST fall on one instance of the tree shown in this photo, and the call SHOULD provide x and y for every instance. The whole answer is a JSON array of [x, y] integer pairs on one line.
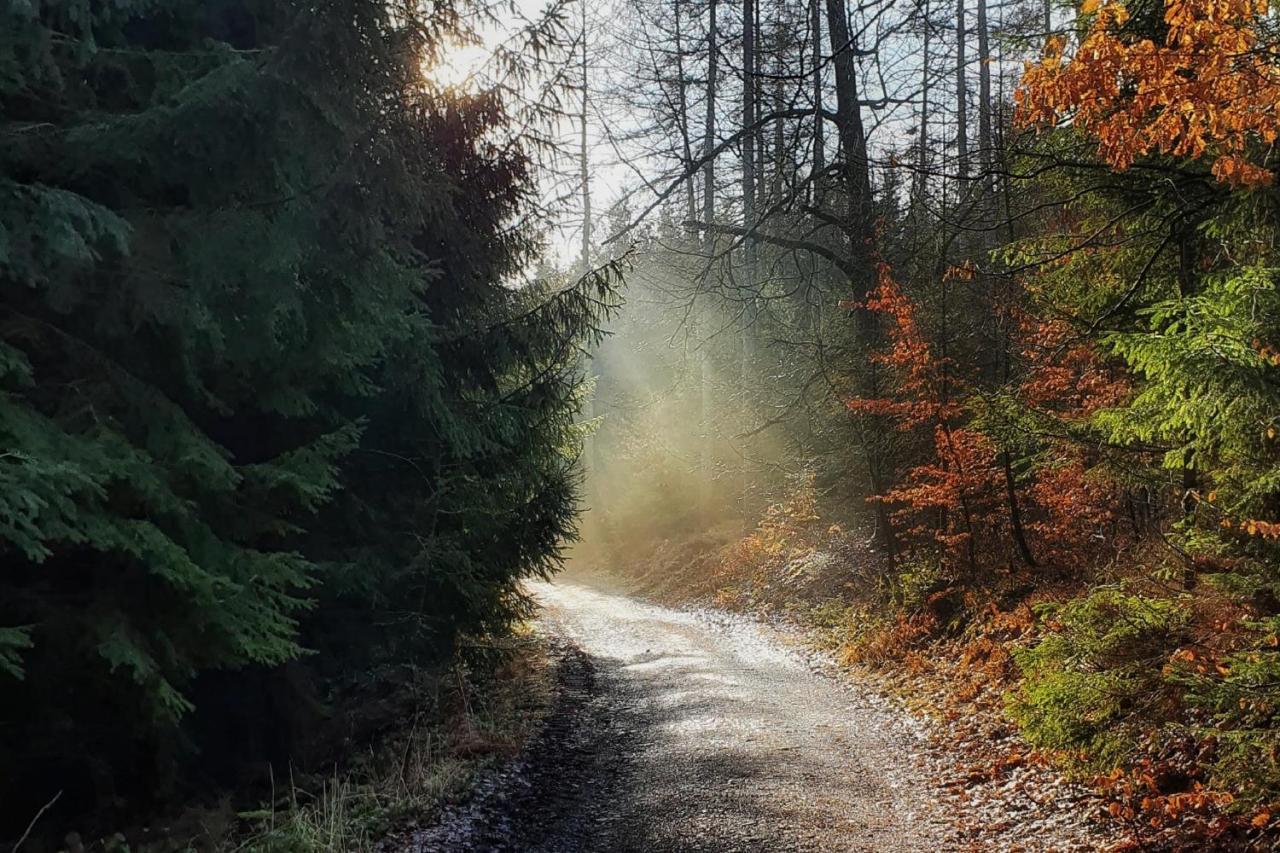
[[243, 413], [1206, 90], [1164, 257], [1190, 307]]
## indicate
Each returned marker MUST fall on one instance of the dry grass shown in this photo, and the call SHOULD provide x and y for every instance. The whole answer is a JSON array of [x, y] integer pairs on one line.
[[413, 772], [449, 728]]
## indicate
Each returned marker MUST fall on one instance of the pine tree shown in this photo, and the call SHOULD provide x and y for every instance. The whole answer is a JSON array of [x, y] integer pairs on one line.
[[265, 379]]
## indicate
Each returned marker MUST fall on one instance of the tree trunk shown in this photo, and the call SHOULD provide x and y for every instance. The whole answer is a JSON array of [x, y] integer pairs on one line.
[[1015, 507], [749, 138], [682, 120], [853, 145], [583, 154], [1015, 512], [819, 142], [922, 143], [962, 95], [780, 162], [860, 230], [985, 144], [706, 445], [709, 128], [592, 450], [749, 134]]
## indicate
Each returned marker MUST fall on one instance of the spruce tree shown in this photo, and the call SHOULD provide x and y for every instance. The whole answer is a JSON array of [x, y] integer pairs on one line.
[[269, 382]]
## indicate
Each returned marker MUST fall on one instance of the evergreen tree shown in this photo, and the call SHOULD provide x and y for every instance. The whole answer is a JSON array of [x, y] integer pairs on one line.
[[264, 358]]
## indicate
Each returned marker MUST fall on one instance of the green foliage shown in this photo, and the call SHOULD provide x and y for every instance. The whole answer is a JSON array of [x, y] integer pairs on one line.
[[1093, 682], [1173, 273], [1208, 393], [267, 384], [916, 580], [1237, 701], [12, 643]]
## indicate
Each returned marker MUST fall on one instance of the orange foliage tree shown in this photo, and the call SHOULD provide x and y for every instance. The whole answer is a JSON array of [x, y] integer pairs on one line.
[[1066, 382], [960, 493], [1210, 89], [953, 496]]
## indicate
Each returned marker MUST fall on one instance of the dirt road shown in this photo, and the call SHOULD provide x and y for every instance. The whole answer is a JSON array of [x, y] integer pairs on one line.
[[697, 732]]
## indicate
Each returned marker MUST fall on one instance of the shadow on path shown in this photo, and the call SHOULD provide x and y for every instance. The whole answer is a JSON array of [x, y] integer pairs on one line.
[[673, 732]]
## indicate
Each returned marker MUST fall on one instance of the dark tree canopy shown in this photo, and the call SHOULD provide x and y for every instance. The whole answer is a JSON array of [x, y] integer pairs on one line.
[[274, 402]]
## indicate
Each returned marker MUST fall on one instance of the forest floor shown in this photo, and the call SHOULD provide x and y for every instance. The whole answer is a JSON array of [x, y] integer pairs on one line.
[[696, 729], [423, 742]]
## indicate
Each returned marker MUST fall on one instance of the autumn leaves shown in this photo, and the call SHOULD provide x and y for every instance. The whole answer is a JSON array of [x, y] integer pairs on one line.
[[1208, 90]]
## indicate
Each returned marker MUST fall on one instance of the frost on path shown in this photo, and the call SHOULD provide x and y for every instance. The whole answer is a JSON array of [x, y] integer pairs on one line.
[[700, 731]]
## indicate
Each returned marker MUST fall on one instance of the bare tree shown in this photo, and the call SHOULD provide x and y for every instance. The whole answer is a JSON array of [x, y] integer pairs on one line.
[[962, 95]]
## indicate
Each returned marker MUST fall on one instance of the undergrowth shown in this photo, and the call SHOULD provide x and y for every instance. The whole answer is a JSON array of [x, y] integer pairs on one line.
[[452, 725], [405, 779]]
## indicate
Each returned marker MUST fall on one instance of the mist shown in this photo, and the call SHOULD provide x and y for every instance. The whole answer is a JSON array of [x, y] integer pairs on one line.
[[709, 402]]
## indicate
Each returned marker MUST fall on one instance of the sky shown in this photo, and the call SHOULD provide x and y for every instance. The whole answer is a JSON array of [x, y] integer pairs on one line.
[[470, 66], [617, 166]]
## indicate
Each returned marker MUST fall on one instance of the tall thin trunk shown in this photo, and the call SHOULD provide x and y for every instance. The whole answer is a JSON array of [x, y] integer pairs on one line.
[[853, 139], [984, 96], [1011, 486], [944, 395], [708, 216], [583, 153], [758, 97], [779, 102], [592, 450], [750, 133], [1015, 512], [966, 511], [682, 107], [819, 123], [962, 95], [749, 153], [860, 230], [809, 311], [709, 128], [984, 206], [922, 143]]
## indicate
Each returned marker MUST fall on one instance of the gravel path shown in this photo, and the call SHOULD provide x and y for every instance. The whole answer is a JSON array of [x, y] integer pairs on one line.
[[693, 731], [698, 730]]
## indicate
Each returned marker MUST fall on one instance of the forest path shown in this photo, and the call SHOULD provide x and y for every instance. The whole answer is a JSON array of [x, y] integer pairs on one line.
[[698, 731]]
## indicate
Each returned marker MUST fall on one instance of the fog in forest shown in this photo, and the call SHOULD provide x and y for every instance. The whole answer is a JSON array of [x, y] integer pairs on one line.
[[709, 402]]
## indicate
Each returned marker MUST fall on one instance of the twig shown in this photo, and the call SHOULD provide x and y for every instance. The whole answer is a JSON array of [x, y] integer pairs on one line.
[[32, 825]]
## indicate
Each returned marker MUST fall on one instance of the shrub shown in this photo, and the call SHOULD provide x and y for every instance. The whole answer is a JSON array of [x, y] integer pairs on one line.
[[916, 582], [1235, 699], [1096, 679]]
